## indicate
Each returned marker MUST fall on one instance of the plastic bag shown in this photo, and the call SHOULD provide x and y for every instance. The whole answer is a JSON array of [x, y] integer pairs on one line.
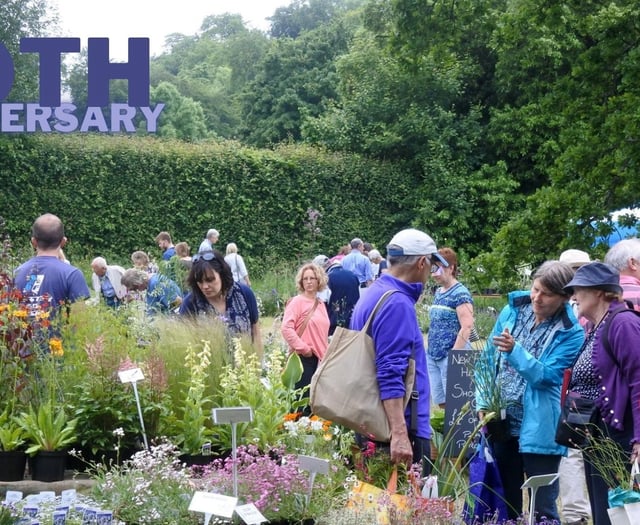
[[486, 493]]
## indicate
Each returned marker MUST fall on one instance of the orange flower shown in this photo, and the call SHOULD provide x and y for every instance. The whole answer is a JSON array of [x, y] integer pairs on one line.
[[291, 417], [55, 347]]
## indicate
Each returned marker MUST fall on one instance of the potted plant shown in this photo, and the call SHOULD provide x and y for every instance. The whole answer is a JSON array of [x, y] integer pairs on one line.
[[12, 456], [489, 393], [48, 431]]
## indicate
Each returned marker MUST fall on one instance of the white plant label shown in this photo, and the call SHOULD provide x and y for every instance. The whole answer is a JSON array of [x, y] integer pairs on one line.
[[131, 376], [250, 514], [216, 504]]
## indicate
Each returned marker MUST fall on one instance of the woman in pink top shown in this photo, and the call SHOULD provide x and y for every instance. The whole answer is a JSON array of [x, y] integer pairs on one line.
[[305, 324]]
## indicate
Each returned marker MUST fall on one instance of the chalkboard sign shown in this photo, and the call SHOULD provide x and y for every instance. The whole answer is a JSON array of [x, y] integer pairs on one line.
[[460, 390]]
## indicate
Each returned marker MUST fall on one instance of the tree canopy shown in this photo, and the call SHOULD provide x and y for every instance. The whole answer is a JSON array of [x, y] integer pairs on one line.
[[521, 120]]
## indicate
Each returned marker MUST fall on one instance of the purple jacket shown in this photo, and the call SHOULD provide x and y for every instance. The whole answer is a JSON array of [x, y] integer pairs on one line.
[[397, 335], [619, 375]]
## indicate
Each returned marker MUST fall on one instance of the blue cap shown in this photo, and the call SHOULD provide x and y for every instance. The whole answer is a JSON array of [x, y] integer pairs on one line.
[[596, 275]]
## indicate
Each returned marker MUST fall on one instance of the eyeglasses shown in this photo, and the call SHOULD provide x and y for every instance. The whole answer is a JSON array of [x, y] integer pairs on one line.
[[309, 278], [205, 256], [436, 269]]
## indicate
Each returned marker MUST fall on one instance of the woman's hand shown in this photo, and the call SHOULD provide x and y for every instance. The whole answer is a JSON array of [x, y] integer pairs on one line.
[[505, 341], [635, 452]]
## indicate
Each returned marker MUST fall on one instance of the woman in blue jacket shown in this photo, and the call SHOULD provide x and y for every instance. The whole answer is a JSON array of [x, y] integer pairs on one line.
[[534, 339]]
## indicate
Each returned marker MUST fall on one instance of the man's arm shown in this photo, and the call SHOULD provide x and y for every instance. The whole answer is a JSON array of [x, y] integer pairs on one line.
[[401, 450]]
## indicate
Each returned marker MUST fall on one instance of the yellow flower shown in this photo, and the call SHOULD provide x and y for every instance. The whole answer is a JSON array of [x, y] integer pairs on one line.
[[55, 347], [42, 315]]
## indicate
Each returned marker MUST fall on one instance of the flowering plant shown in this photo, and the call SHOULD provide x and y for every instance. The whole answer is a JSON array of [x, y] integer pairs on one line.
[[274, 483], [151, 488], [314, 436], [190, 427]]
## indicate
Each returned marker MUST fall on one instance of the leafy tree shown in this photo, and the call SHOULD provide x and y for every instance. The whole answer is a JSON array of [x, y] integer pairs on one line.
[[20, 19], [182, 117], [573, 124], [296, 78], [222, 27], [414, 110], [302, 15], [212, 68]]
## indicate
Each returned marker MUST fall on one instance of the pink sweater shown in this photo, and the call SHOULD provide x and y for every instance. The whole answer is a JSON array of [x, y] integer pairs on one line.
[[315, 335]]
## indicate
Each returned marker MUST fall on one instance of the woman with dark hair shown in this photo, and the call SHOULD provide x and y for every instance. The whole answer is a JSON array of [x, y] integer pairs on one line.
[[214, 292], [608, 373], [534, 339]]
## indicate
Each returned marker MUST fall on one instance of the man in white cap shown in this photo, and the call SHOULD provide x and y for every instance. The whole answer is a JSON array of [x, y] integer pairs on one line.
[[398, 338], [576, 509], [575, 258]]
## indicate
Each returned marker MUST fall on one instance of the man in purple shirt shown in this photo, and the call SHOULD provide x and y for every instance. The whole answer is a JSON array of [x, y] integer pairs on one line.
[[398, 338], [44, 280]]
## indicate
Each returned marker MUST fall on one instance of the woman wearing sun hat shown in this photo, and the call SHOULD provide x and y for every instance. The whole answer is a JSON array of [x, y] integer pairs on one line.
[[609, 376]]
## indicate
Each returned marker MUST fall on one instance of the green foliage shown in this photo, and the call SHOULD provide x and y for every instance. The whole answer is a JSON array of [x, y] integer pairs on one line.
[[258, 199], [296, 79], [47, 428], [292, 371], [11, 433], [243, 384], [20, 19], [191, 430], [302, 15]]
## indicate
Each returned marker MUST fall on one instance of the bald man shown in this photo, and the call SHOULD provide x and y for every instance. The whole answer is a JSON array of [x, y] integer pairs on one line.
[[45, 279]]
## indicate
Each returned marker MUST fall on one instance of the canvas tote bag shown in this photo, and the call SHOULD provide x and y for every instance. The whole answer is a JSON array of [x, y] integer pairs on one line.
[[344, 388]]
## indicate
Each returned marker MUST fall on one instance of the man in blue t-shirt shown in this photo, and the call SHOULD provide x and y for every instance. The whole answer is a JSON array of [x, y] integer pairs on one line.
[[164, 243], [46, 282]]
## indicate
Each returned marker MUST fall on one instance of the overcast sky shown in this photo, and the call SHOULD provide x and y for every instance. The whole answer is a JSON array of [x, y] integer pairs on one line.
[[120, 19]]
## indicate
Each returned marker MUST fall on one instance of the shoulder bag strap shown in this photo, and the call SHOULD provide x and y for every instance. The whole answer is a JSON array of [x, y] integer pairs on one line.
[[377, 307], [605, 329], [303, 326]]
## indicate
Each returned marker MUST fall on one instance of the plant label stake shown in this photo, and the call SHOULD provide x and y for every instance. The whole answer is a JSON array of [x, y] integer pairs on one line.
[[212, 504], [250, 514], [233, 416], [133, 375], [314, 466], [534, 483], [12, 496]]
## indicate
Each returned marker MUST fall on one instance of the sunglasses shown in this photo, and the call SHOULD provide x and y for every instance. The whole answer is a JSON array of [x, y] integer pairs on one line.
[[436, 269], [205, 256]]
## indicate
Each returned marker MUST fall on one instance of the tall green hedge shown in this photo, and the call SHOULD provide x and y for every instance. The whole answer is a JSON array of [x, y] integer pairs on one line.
[[115, 193]]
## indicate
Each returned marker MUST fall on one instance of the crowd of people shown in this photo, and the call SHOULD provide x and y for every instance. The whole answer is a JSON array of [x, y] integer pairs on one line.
[[555, 325]]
